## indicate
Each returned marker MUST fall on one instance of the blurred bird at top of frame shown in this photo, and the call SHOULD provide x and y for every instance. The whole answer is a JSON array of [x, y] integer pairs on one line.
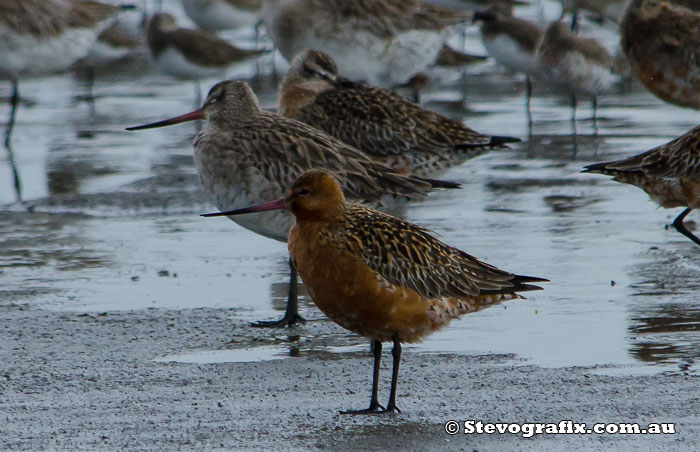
[[45, 36], [245, 155], [581, 65], [474, 5], [192, 54], [381, 277], [123, 39], [221, 15], [670, 174], [511, 41], [379, 122], [661, 40], [611, 10], [383, 42]]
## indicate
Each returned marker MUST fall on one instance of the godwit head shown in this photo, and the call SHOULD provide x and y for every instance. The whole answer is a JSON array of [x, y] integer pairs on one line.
[[312, 65], [311, 73], [226, 104]]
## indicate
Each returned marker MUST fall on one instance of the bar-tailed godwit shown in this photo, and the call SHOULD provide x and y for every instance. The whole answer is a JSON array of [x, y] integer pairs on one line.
[[192, 54], [661, 40], [511, 41], [581, 65], [383, 42], [221, 15], [670, 174], [384, 125], [245, 155], [381, 277], [45, 36]]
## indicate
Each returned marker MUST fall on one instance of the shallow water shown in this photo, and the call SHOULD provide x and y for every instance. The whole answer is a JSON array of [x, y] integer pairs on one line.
[[109, 221]]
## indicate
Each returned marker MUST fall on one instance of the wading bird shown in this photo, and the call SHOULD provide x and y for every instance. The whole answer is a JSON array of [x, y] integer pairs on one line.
[[381, 277]]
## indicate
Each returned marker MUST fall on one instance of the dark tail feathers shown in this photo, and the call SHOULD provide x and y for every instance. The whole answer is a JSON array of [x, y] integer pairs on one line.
[[436, 183], [494, 142], [596, 168], [485, 15]]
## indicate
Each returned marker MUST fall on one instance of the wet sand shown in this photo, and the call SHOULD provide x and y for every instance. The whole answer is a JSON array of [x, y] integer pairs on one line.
[[91, 382]]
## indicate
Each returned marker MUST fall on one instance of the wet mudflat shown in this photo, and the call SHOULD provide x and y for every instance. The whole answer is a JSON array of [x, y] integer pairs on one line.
[[125, 315]]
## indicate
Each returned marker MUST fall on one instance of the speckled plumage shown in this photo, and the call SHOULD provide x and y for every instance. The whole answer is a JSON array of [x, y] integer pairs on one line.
[[383, 124], [670, 174], [661, 41], [381, 277]]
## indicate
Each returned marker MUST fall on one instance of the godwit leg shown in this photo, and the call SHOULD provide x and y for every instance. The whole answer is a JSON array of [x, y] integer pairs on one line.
[[680, 226], [396, 354], [257, 26], [90, 82], [14, 103], [291, 315], [528, 102], [374, 405]]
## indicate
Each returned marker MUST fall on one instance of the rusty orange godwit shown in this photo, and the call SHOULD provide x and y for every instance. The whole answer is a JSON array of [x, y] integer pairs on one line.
[[381, 277], [670, 174]]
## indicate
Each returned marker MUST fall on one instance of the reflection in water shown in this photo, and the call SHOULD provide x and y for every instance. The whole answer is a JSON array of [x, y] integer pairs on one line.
[[17, 181], [665, 318]]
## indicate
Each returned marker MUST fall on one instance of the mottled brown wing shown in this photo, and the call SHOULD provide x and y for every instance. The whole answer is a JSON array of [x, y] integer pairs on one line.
[[87, 14], [383, 123], [206, 49], [407, 255], [284, 150], [677, 159]]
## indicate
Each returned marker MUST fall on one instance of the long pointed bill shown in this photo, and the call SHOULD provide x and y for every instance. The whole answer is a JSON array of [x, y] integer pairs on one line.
[[278, 204], [192, 116]]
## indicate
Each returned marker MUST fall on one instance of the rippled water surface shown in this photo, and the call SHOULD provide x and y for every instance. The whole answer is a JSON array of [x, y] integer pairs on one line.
[[109, 219]]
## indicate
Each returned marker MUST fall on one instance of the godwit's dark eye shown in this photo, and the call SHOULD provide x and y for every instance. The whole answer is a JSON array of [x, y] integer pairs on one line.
[[304, 192]]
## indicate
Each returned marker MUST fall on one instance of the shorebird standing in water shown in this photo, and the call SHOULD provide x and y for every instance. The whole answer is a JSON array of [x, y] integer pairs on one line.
[[220, 15], [45, 36], [382, 42], [381, 277], [670, 174], [582, 65], [380, 123], [192, 54], [245, 155], [512, 42], [661, 40]]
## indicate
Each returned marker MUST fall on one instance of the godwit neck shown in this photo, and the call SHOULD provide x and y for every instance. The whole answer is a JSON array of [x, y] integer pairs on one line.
[[310, 74], [229, 103]]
